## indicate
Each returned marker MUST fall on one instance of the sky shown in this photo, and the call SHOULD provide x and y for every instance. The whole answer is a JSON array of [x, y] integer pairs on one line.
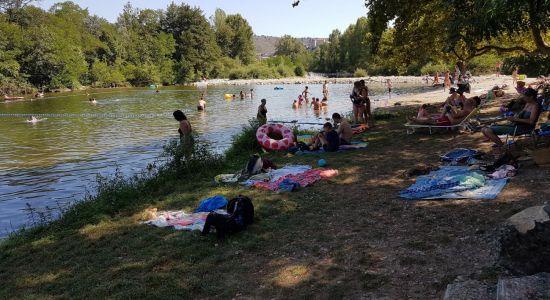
[[312, 18]]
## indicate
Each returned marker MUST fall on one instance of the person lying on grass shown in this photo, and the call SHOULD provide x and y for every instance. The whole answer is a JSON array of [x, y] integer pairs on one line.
[[521, 123], [328, 139], [451, 115]]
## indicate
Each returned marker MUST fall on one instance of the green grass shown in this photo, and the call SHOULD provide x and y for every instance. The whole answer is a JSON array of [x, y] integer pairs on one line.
[[342, 237]]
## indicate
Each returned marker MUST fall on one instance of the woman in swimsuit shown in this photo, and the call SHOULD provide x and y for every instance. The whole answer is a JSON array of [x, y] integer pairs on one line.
[[520, 124]]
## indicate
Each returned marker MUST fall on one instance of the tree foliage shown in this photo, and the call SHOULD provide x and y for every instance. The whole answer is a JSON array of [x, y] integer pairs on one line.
[[65, 46]]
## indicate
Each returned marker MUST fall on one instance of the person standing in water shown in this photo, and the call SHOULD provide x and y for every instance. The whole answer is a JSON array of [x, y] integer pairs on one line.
[[241, 94], [202, 104], [185, 127], [262, 113], [306, 93], [389, 86], [325, 90]]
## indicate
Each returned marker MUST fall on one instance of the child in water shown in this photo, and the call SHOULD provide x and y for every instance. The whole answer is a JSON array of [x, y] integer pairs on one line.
[[295, 104], [300, 100]]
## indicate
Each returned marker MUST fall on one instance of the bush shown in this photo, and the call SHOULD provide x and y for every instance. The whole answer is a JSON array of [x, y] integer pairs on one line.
[[533, 66], [431, 68], [299, 71], [360, 73], [484, 64], [244, 144]]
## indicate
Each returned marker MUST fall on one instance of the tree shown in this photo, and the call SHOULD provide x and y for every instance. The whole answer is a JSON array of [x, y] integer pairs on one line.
[[196, 49], [13, 8], [470, 28], [233, 36], [241, 44], [289, 46]]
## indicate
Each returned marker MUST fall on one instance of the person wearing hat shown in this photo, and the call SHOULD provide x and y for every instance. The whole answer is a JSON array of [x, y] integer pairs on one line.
[[519, 124]]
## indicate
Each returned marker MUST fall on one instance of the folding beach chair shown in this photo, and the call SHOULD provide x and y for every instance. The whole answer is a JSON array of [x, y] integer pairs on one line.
[[411, 128]]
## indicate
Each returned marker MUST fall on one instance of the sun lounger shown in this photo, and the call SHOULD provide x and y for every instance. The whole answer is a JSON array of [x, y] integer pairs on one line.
[[411, 128]]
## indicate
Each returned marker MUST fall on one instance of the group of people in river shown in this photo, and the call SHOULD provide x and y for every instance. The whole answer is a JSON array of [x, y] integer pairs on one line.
[[316, 103]]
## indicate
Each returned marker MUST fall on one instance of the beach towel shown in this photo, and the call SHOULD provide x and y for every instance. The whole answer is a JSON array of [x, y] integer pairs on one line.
[[306, 138], [303, 179], [211, 204], [459, 155], [358, 129], [489, 191], [180, 220], [274, 175], [288, 185], [448, 179]]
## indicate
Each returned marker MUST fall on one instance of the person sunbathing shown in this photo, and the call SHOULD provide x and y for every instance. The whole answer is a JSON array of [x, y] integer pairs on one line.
[[451, 116]]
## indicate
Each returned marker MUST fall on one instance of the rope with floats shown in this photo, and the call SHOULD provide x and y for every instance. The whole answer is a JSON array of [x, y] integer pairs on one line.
[[93, 115]]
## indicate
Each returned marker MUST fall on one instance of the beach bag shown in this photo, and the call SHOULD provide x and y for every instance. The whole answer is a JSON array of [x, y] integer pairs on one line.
[[242, 210], [254, 165], [240, 214]]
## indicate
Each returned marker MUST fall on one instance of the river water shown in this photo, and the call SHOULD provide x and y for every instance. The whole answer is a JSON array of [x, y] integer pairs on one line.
[[54, 161]]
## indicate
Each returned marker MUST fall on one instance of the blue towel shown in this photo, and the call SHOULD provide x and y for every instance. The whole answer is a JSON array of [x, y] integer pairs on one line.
[[212, 203], [459, 155], [288, 185], [490, 190], [448, 179]]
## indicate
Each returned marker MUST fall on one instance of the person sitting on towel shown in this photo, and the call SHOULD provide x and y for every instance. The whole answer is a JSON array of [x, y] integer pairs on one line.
[[344, 129], [328, 139]]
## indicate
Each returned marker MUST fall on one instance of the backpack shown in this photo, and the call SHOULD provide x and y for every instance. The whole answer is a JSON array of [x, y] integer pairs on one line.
[[242, 210], [240, 214], [254, 165]]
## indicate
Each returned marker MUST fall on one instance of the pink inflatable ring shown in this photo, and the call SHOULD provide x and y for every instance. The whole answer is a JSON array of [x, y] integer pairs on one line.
[[262, 135]]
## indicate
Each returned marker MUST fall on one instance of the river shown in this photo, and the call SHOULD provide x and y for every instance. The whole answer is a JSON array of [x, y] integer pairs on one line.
[[54, 161]]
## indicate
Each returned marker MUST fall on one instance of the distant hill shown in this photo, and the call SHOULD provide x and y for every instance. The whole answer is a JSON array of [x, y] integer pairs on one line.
[[265, 45]]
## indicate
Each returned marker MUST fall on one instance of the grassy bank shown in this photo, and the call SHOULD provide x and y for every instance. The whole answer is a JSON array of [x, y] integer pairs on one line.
[[349, 236]]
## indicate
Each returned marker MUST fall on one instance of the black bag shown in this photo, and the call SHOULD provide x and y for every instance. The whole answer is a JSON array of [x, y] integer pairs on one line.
[[254, 165], [240, 214]]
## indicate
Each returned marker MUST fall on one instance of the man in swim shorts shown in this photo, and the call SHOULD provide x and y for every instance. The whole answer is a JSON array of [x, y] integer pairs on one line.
[[344, 130]]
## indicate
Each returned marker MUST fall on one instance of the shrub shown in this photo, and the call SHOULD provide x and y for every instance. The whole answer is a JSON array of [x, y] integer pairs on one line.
[[431, 68], [360, 72], [244, 144], [299, 71]]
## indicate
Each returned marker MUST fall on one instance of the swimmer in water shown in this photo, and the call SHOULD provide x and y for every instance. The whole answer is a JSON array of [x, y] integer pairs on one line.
[[241, 94], [316, 104], [92, 100], [295, 104], [202, 104], [157, 91]]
